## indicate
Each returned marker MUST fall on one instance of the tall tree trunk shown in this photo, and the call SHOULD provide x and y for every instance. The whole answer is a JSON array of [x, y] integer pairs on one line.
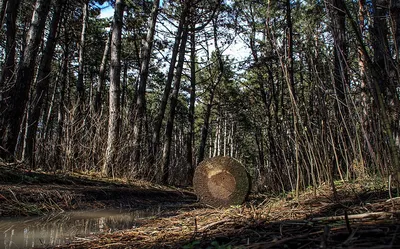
[[289, 38], [167, 90], [173, 102], [205, 127], [362, 60], [80, 84], [340, 79], [61, 112], [206, 124], [338, 17], [384, 86], [6, 77], [192, 99], [102, 75], [114, 106], [144, 73], [380, 42], [42, 84], [123, 88], [63, 87], [292, 90], [20, 91]]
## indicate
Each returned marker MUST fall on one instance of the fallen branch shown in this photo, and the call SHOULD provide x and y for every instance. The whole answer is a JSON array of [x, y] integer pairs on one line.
[[374, 215], [213, 224]]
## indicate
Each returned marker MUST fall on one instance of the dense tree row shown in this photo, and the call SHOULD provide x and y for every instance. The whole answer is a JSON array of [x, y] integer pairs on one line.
[[302, 92]]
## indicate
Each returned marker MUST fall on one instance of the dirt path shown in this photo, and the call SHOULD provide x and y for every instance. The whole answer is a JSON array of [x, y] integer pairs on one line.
[[25, 193]]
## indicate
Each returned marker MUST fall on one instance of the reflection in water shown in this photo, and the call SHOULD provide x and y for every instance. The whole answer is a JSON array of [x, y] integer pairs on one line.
[[65, 227]]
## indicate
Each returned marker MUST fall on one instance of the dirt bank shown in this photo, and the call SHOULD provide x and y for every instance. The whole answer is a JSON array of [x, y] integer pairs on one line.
[[24, 192]]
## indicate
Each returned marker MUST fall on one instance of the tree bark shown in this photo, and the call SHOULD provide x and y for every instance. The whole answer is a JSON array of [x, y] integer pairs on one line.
[[362, 60], [8, 67], [338, 17], [20, 91], [205, 128], [206, 124], [289, 37], [114, 103], [192, 99], [42, 84], [64, 82], [80, 84], [144, 73], [380, 44], [167, 90], [102, 75], [341, 80], [11, 30], [173, 103]]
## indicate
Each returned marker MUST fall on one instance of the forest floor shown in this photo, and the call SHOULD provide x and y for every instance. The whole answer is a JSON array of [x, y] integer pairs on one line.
[[365, 215], [25, 193]]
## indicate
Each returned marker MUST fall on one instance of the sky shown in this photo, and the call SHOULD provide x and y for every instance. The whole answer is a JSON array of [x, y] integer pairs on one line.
[[108, 11], [238, 50]]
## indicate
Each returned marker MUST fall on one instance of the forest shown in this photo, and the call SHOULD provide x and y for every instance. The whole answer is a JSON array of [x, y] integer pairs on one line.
[[301, 92], [305, 94]]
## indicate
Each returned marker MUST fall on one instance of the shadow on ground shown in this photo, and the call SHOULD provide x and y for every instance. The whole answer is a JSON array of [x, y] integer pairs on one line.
[[24, 192]]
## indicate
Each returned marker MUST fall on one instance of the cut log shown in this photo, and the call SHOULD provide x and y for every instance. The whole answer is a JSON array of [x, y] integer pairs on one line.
[[221, 182]]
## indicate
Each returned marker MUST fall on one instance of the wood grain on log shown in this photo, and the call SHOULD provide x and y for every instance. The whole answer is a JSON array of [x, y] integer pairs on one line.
[[221, 181]]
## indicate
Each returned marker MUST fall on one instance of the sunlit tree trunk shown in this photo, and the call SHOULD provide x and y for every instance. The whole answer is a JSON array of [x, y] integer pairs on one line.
[[361, 59], [114, 103], [192, 99], [42, 84], [20, 91]]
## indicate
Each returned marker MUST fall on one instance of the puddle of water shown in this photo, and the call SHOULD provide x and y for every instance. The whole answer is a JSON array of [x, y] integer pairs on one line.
[[65, 227]]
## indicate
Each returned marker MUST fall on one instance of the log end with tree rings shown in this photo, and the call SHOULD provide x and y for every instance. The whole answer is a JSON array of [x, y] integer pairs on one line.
[[221, 182]]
